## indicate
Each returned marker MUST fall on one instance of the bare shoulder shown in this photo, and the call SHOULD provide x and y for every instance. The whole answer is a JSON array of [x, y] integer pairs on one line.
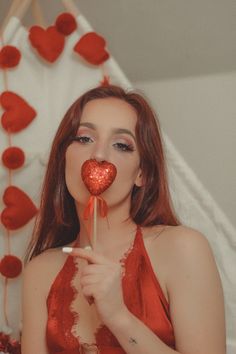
[[189, 255], [45, 267], [175, 250], [38, 276], [176, 241], [187, 246], [182, 240], [194, 290]]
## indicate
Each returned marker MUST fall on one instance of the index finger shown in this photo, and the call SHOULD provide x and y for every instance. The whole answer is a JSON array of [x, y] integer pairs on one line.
[[90, 255]]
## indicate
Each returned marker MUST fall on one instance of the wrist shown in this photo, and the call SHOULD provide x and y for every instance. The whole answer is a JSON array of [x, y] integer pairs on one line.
[[120, 319]]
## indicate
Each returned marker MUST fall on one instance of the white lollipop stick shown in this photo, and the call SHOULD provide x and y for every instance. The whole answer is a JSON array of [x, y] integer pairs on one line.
[[94, 240]]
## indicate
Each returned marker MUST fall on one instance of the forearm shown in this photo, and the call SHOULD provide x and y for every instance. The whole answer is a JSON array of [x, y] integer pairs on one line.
[[135, 337]]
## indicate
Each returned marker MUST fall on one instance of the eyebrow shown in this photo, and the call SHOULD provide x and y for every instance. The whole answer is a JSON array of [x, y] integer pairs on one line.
[[115, 130]]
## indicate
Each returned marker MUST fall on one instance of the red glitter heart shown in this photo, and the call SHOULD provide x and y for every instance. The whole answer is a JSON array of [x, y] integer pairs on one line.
[[98, 176]]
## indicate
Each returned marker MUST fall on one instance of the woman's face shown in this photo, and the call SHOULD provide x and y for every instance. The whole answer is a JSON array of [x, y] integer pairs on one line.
[[106, 132]]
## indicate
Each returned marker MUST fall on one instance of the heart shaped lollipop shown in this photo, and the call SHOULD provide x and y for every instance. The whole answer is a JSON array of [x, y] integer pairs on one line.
[[98, 176]]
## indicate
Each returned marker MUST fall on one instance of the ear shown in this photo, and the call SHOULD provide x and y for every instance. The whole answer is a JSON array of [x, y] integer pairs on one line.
[[139, 179]]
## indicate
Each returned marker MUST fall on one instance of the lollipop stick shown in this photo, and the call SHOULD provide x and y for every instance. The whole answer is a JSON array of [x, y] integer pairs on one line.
[[94, 224]]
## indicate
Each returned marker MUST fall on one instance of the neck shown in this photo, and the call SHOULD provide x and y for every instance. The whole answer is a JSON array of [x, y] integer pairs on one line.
[[115, 229]]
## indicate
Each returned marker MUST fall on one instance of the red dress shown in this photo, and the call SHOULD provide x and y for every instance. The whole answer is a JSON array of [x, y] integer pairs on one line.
[[143, 297]]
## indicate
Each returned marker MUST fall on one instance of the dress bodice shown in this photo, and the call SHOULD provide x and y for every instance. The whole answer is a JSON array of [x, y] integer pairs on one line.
[[142, 294]]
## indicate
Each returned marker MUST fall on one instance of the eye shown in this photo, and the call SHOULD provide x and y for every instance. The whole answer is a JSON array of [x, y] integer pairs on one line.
[[83, 139], [124, 147]]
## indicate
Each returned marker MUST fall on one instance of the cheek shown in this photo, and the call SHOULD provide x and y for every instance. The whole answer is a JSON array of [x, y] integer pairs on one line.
[[127, 170], [72, 166], [69, 161]]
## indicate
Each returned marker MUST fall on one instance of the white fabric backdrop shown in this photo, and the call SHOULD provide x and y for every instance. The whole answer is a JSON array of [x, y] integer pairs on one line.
[[50, 89]]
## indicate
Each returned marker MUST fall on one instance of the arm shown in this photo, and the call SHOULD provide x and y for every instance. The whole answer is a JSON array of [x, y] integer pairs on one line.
[[196, 302], [34, 312]]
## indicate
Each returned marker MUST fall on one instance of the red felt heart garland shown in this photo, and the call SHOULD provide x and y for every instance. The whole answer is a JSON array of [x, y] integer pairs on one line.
[[19, 208], [13, 158], [10, 266], [9, 57], [19, 114], [66, 23], [49, 43], [91, 47]]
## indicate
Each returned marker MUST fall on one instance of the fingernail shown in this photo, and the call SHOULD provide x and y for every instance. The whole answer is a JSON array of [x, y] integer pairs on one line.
[[88, 248], [67, 249]]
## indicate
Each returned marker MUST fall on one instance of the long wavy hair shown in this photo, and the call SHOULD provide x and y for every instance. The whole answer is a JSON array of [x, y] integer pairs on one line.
[[57, 222]]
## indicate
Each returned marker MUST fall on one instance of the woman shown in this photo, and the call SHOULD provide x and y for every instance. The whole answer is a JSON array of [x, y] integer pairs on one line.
[[154, 283]]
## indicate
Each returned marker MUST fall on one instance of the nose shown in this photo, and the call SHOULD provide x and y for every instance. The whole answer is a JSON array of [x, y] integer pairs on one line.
[[100, 152]]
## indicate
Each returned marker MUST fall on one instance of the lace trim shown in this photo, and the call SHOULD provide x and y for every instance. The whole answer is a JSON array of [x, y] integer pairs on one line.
[[74, 316], [70, 316]]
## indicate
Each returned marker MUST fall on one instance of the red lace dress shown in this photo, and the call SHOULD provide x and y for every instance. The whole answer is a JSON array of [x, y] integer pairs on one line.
[[143, 297]]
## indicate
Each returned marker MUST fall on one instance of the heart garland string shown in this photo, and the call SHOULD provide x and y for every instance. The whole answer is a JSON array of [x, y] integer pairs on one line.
[[20, 209], [19, 114]]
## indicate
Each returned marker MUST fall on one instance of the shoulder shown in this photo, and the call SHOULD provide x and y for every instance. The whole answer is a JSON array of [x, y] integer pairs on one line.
[[189, 255], [182, 249], [195, 291], [42, 260], [183, 240], [186, 245], [178, 239], [43, 268]]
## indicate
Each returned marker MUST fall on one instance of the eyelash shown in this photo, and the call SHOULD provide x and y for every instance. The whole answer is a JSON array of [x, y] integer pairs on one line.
[[121, 146], [81, 139]]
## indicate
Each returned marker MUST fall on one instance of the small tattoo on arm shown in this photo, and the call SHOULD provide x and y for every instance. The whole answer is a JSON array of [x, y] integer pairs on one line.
[[132, 340]]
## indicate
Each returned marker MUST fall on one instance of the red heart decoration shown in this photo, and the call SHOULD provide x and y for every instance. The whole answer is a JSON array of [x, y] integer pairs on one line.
[[10, 266], [9, 56], [19, 113], [20, 209], [98, 176], [91, 47], [105, 81], [13, 157], [48, 42], [66, 23]]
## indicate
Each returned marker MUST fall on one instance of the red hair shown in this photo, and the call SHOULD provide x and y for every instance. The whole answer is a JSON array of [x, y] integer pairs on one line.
[[57, 222]]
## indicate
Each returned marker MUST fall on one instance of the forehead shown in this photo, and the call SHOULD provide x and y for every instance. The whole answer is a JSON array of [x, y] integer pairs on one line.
[[111, 112]]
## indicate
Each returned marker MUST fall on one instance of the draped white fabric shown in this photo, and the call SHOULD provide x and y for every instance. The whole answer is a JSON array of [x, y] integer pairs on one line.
[[50, 89]]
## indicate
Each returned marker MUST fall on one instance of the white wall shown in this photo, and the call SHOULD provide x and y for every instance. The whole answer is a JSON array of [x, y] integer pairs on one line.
[[199, 116]]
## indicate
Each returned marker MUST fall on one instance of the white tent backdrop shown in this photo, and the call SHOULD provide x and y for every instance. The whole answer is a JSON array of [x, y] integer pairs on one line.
[[50, 89]]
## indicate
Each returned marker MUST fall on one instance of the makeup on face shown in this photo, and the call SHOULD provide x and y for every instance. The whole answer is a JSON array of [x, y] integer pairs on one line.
[[88, 132]]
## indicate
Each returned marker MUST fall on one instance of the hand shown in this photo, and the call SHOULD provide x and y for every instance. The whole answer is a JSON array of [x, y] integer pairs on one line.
[[101, 279]]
